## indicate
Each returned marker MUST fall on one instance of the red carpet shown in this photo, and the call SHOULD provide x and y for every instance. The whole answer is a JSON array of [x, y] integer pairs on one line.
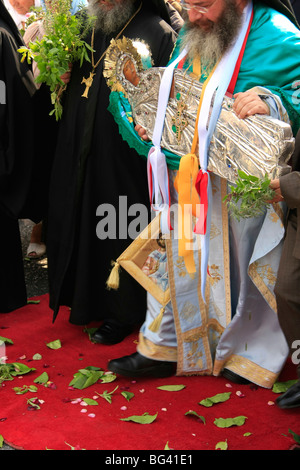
[[60, 424]]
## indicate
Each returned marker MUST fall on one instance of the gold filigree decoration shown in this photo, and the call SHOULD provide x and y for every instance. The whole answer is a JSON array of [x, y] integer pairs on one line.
[[189, 311], [265, 272], [214, 274], [119, 52]]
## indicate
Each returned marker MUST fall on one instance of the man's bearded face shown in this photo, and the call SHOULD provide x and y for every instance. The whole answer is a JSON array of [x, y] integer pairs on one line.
[[210, 39], [111, 14]]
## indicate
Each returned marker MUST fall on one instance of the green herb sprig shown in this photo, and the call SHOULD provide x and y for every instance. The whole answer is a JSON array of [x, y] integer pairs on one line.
[[249, 197], [62, 45]]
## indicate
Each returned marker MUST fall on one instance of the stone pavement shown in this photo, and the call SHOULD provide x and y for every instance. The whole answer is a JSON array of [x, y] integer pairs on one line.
[[36, 275]]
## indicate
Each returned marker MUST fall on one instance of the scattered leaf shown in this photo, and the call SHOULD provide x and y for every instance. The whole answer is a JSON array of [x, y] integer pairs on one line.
[[25, 389], [107, 378], [107, 395], [228, 422], [32, 301], [167, 446], [219, 398], [222, 445], [193, 413], [37, 357], [247, 434], [295, 436], [86, 377], [54, 344], [5, 340], [281, 387], [127, 395], [171, 388], [42, 379], [34, 403], [142, 419], [89, 401], [1, 440]]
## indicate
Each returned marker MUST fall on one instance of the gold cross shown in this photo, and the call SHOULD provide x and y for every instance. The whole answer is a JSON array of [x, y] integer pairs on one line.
[[179, 123], [88, 83]]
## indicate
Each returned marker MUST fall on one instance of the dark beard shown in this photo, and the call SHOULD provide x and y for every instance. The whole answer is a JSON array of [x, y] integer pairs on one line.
[[110, 21], [211, 45]]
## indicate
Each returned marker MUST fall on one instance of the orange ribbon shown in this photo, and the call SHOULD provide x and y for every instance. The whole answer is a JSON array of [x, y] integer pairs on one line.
[[191, 185]]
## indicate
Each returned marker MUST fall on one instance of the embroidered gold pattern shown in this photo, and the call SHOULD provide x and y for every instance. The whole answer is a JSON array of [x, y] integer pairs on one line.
[[181, 266], [265, 272], [247, 369], [188, 312], [214, 275], [214, 231]]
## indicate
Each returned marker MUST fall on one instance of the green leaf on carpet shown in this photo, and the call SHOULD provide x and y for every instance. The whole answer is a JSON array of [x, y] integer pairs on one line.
[[37, 357], [222, 445], [295, 436], [9, 371], [20, 369], [25, 389], [107, 395], [34, 403], [42, 379], [228, 422], [107, 378], [281, 387], [1, 440], [193, 413], [142, 419], [90, 401], [171, 388], [32, 301], [127, 395], [86, 377], [54, 344], [219, 398], [247, 434], [5, 340]]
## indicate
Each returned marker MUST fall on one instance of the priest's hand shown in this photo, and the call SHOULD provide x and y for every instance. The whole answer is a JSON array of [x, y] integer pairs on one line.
[[275, 185], [142, 132], [66, 77], [249, 103]]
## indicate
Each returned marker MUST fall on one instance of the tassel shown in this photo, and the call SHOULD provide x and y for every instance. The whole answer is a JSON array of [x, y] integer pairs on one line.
[[114, 278], [157, 321]]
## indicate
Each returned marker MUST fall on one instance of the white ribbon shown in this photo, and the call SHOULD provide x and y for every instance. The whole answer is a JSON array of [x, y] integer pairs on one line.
[[158, 179], [209, 114]]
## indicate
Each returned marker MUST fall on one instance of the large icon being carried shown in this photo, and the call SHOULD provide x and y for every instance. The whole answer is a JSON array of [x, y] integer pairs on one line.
[[256, 145]]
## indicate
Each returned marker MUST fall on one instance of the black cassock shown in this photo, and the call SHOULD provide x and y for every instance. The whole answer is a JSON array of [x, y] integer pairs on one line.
[[94, 166], [24, 158]]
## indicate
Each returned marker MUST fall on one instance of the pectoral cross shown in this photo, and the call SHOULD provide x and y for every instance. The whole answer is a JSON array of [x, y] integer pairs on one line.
[[179, 123], [88, 83]]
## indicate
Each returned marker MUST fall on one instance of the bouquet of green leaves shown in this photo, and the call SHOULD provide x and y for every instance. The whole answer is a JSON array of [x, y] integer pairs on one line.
[[249, 197], [61, 45]]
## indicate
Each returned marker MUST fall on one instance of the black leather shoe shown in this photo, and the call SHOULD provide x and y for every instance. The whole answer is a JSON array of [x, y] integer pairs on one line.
[[110, 333], [235, 378], [290, 398], [137, 365]]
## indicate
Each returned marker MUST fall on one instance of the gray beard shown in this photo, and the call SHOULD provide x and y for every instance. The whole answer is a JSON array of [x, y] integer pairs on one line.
[[211, 45], [110, 21]]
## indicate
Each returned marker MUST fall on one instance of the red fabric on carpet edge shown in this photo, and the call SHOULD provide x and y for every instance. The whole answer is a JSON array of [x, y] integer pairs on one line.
[[59, 424]]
